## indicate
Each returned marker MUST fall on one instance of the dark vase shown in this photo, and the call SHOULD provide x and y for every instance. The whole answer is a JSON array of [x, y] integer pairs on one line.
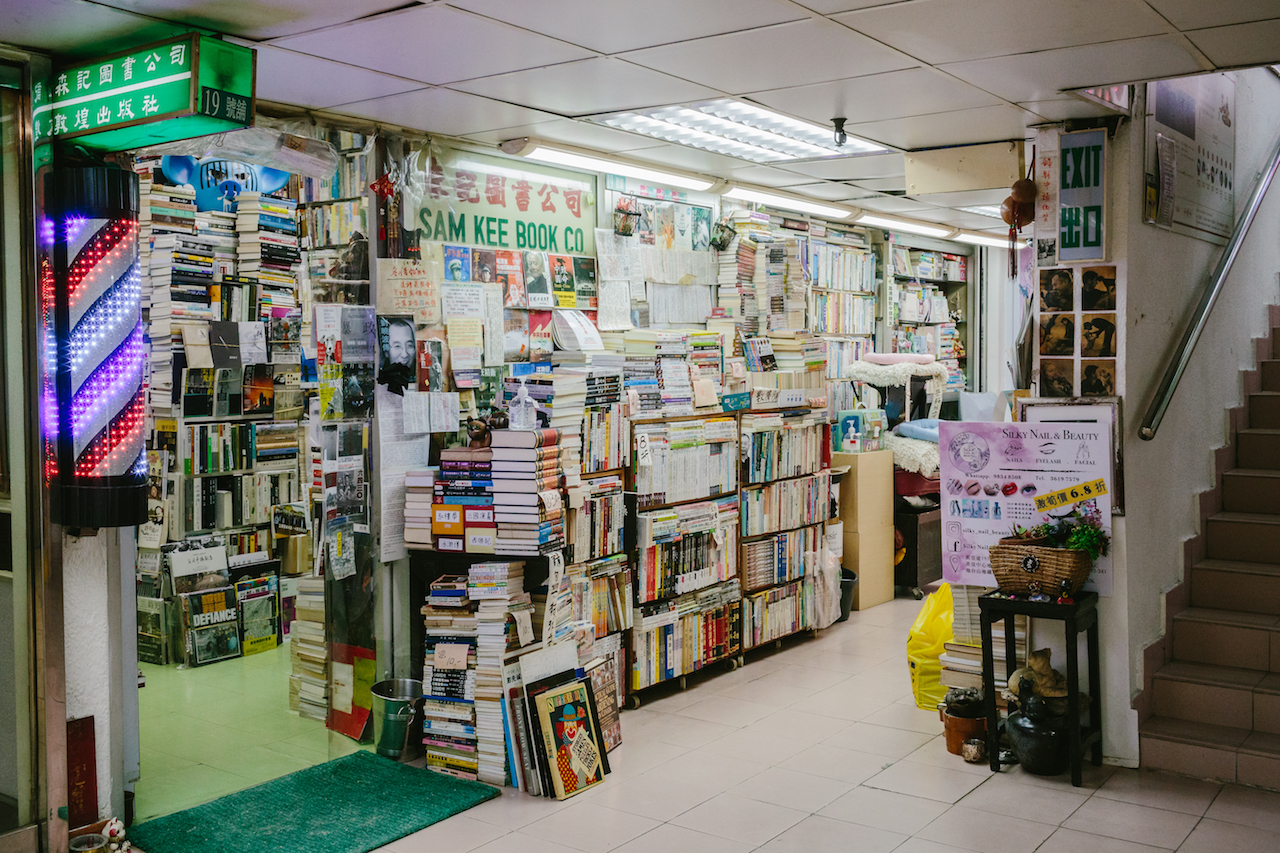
[[1041, 744]]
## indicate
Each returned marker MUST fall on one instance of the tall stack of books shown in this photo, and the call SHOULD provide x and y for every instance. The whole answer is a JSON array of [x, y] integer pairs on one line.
[[527, 501], [418, 488], [185, 264], [561, 397], [309, 680], [217, 230], [449, 682], [604, 431], [267, 227], [463, 496], [494, 586]]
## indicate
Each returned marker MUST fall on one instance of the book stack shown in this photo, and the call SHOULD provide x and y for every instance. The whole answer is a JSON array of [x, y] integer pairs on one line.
[[561, 398], [494, 586], [775, 270], [597, 523], [797, 351], [706, 353], [309, 680], [527, 502], [962, 663], [449, 688], [182, 265], [419, 486], [600, 593], [777, 612], [449, 592], [604, 429], [267, 227], [462, 517], [217, 230]]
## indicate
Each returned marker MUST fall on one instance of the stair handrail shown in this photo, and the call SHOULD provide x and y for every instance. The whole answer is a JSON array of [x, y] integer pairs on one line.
[[1191, 334]]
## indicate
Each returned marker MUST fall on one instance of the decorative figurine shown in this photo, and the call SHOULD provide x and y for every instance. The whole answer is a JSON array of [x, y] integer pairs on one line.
[[478, 432]]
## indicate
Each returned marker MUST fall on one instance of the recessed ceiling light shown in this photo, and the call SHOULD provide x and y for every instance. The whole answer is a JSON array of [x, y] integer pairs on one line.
[[738, 130], [789, 203], [992, 210], [893, 223], [536, 149]]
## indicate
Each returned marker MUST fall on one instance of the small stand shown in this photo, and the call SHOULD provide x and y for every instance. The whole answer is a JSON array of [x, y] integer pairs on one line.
[[1082, 614]]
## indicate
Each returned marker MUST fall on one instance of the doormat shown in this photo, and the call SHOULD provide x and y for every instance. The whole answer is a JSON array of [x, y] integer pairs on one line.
[[354, 804]]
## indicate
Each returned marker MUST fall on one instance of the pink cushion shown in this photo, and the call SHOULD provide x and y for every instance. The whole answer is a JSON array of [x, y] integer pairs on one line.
[[898, 358]]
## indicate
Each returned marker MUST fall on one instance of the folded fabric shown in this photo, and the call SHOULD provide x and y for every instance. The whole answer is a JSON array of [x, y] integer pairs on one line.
[[898, 358], [925, 429]]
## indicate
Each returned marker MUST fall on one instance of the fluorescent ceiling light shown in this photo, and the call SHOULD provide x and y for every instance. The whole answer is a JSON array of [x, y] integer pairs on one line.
[[984, 240], [907, 225], [562, 157], [992, 210], [788, 203], [739, 130]]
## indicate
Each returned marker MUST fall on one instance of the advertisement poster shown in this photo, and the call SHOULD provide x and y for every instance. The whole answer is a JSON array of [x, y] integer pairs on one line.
[[991, 476]]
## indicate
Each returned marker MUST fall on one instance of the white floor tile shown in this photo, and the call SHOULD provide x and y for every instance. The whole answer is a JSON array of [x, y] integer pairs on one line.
[[822, 833], [740, 819], [886, 810], [590, 827], [802, 791]]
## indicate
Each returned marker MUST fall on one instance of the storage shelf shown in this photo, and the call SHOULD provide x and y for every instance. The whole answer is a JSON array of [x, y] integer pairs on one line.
[[922, 280], [331, 201], [609, 472], [746, 591], [742, 540], [746, 486], [776, 639], [214, 419], [841, 290], [676, 595], [670, 504]]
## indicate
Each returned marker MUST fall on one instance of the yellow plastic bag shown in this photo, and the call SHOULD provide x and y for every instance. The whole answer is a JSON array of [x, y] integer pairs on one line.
[[929, 632]]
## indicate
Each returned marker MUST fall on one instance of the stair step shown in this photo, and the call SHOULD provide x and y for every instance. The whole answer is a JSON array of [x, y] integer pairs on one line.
[[1258, 448], [1219, 676], [1275, 343], [1249, 537], [1236, 585], [1221, 695], [1258, 761], [1202, 750], [1264, 409], [1270, 370], [1251, 490], [1226, 638]]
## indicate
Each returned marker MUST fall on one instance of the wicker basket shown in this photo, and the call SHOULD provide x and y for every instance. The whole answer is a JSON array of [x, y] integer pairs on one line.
[[1028, 569]]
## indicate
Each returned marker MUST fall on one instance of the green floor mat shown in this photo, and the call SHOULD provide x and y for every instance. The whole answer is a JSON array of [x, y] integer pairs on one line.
[[351, 805]]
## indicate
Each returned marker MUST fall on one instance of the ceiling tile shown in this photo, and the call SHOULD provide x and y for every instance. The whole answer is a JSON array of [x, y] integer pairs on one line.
[[968, 198], [986, 124], [610, 26], [434, 44], [305, 81], [830, 7], [1241, 44], [889, 204], [938, 31], [963, 220], [78, 28], [684, 157], [826, 190], [1043, 76], [591, 86], [767, 176], [1061, 109], [773, 57], [443, 111], [1197, 14], [882, 185], [572, 132], [258, 20], [852, 168], [894, 94]]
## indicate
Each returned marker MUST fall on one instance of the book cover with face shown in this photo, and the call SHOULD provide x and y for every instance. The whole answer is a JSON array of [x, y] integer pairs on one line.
[[584, 276], [537, 284]]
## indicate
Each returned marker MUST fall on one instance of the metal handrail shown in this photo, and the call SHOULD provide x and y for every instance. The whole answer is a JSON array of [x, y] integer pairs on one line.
[[1191, 335]]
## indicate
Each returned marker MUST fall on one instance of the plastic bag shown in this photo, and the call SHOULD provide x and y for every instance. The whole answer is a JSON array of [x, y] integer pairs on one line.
[[929, 632]]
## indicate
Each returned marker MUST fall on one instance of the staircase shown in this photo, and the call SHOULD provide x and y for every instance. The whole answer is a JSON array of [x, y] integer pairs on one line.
[[1216, 703]]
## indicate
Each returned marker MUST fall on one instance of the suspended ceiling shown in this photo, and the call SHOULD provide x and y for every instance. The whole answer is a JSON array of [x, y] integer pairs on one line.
[[908, 74]]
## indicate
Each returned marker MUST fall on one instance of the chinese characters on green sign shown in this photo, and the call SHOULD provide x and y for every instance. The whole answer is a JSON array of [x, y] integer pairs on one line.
[[1082, 196]]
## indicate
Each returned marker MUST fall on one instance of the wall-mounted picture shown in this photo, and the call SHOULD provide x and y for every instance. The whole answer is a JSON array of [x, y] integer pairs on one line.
[[1098, 335], [1057, 334], [1098, 378], [1057, 377], [1057, 290], [1098, 289]]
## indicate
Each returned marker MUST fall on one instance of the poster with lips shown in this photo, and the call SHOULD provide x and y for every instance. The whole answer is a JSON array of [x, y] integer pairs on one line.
[[992, 474]]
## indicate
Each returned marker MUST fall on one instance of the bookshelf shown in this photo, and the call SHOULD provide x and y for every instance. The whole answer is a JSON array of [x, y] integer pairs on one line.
[[930, 302]]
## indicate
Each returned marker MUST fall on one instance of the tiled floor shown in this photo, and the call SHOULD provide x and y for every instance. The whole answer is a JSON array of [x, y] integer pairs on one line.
[[216, 729], [819, 747]]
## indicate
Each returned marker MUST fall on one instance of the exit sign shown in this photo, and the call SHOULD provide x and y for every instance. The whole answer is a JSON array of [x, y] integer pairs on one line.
[[179, 88]]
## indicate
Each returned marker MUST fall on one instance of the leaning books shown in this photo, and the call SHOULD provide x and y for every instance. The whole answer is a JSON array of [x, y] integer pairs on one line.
[[571, 746], [211, 624]]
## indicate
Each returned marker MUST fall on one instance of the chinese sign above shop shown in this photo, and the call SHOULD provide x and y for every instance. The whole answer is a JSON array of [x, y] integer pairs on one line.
[[485, 201], [176, 89], [1082, 196]]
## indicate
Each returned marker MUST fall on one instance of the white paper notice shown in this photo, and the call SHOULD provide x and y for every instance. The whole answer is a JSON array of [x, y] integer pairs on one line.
[[463, 300], [344, 686], [524, 626], [494, 353], [409, 287], [417, 408], [615, 306]]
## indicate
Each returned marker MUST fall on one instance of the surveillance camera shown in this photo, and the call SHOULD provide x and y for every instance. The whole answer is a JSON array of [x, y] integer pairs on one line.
[[840, 136]]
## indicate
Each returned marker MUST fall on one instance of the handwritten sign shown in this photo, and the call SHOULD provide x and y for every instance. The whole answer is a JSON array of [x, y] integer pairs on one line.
[[408, 287], [450, 656]]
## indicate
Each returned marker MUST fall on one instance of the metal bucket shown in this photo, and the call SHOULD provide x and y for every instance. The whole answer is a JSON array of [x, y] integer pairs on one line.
[[394, 704]]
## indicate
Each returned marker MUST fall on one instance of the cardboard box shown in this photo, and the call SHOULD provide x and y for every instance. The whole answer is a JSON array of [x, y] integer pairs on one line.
[[866, 509], [870, 554]]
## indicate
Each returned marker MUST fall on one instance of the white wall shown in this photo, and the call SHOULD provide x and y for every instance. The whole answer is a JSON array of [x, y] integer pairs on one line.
[[1165, 274]]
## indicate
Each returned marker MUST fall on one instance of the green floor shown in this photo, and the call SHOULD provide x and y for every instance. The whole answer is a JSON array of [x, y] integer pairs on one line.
[[212, 730]]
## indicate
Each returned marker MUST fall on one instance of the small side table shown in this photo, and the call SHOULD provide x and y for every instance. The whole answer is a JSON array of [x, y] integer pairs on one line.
[[1081, 615]]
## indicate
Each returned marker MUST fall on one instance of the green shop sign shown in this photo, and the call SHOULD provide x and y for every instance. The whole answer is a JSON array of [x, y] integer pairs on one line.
[[179, 88], [1082, 196], [504, 204]]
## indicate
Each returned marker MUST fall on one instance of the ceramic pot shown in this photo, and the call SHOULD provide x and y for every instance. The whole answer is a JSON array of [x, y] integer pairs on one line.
[[1041, 744]]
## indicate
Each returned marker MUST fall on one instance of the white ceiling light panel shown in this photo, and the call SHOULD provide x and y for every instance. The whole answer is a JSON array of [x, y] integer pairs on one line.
[[739, 130]]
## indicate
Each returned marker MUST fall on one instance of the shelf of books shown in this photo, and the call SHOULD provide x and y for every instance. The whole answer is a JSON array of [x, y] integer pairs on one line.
[[929, 305], [683, 458], [334, 208]]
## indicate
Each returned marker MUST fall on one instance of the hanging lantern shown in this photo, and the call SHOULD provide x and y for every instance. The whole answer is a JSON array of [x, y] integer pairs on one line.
[[93, 399]]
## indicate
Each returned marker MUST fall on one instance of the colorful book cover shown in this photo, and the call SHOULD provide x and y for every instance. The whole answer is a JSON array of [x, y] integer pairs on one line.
[[701, 228], [259, 394], [515, 335], [584, 277], [259, 600], [540, 343], [569, 736], [537, 285], [683, 227], [357, 390], [664, 225], [212, 626], [484, 265], [489, 394], [510, 274], [645, 228], [562, 286], [457, 263], [431, 365]]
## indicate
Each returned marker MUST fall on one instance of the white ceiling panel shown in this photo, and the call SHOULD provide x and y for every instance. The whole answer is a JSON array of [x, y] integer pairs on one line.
[[683, 157], [592, 86], [443, 111], [1198, 14], [1242, 44], [306, 81], [258, 20], [969, 198], [572, 132], [827, 191], [890, 204], [1061, 109], [1042, 76], [986, 124], [611, 26], [77, 28], [853, 168], [938, 31], [774, 57], [767, 176], [882, 185], [434, 44], [830, 7], [895, 94]]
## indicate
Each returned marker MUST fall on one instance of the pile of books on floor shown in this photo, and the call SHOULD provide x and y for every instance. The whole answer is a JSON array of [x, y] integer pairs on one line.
[[419, 486], [528, 506], [449, 680], [309, 680], [494, 587], [961, 658]]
